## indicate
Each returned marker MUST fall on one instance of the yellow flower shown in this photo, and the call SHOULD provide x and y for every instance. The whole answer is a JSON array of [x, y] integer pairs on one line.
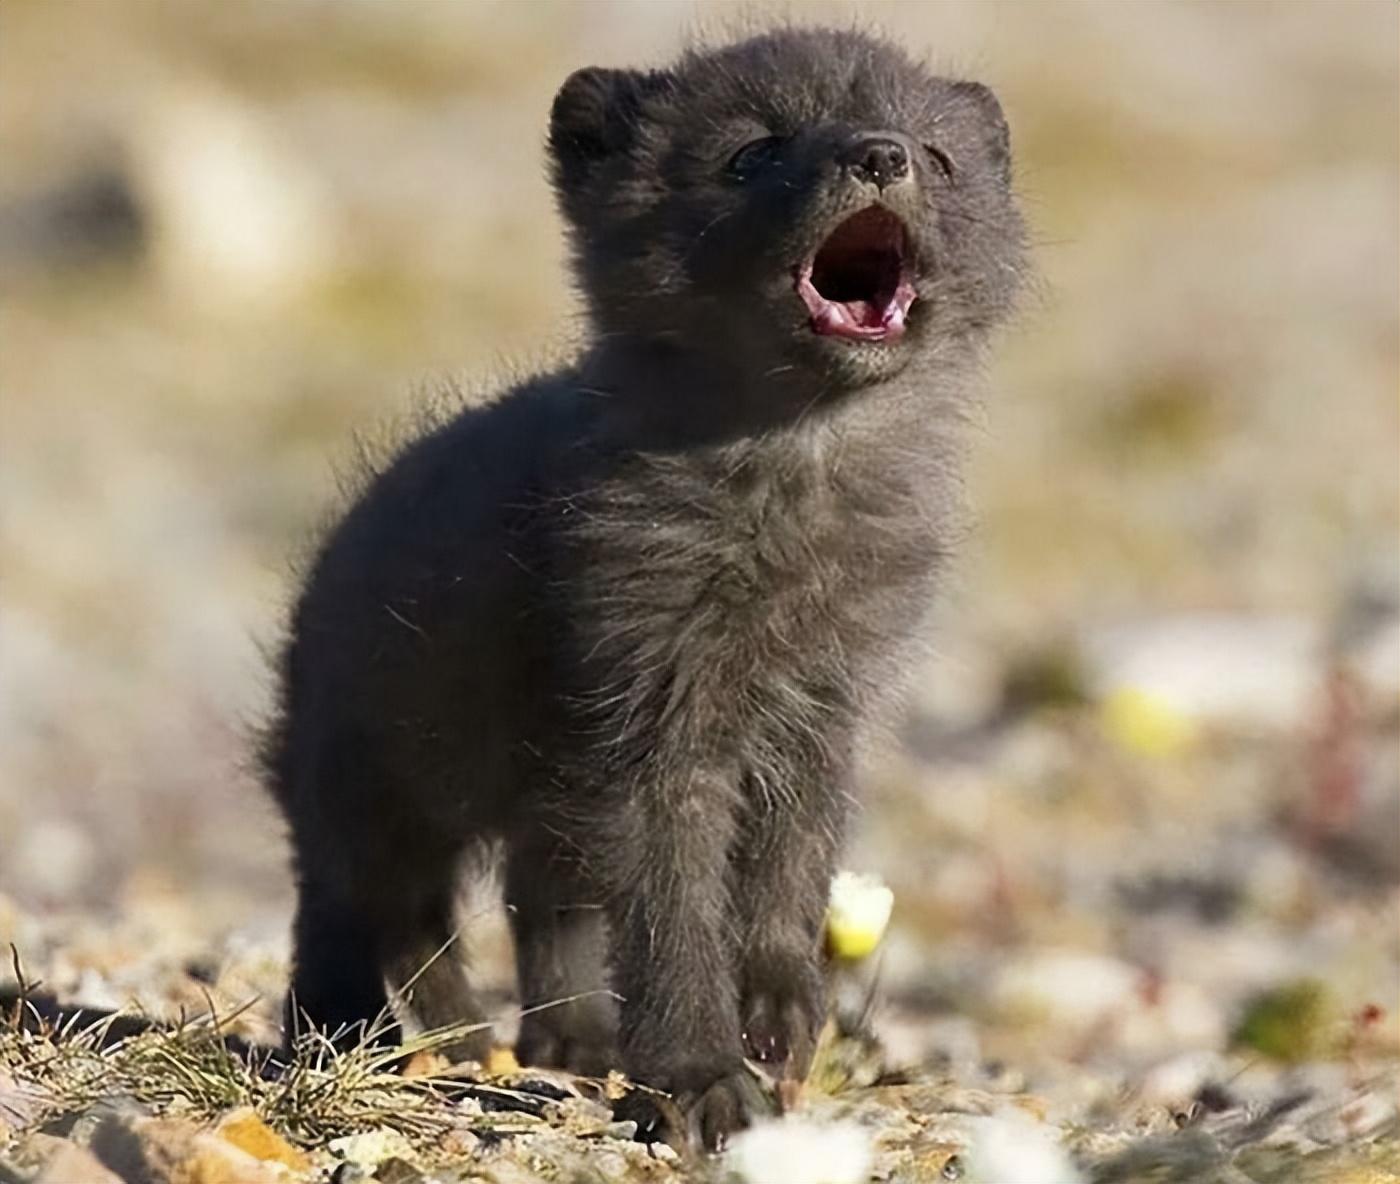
[[1145, 724], [857, 915]]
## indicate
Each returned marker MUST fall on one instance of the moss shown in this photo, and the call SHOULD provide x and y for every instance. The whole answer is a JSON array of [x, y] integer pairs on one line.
[[1291, 1023]]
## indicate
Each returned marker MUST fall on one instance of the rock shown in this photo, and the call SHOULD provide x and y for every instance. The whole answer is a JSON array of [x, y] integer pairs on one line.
[[19, 1103], [236, 217], [1066, 988], [398, 1171], [369, 1149], [1377, 662], [1174, 1015], [85, 218], [118, 1143], [246, 1131], [70, 1163], [172, 1151], [32, 1152], [1216, 668], [1365, 633], [459, 1144], [212, 1160], [1174, 1084], [53, 860]]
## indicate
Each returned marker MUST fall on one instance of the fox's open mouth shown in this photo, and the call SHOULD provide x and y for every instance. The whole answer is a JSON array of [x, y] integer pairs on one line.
[[858, 285]]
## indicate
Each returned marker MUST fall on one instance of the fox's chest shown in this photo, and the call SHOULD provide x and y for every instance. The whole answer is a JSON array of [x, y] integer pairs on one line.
[[742, 608], [776, 568]]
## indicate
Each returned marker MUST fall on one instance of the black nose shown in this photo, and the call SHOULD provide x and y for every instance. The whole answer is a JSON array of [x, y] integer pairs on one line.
[[878, 159]]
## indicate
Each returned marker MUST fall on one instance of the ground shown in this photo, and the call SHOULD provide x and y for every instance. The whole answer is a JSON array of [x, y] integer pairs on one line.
[[1142, 824]]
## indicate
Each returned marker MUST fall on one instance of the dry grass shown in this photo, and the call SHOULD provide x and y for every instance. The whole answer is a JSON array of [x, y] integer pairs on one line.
[[322, 1088], [1198, 416]]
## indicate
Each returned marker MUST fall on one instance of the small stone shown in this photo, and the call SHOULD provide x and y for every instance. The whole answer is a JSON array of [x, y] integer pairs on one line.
[[459, 1144], [1065, 988], [1175, 1082], [211, 1160], [159, 1150], [70, 1163], [19, 1103], [241, 221], [369, 1149], [398, 1171], [246, 1131], [55, 859], [626, 1131], [1215, 669]]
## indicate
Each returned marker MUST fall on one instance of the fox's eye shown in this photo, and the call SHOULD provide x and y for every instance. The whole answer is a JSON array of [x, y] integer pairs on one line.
[[941, 159], [753, 156]]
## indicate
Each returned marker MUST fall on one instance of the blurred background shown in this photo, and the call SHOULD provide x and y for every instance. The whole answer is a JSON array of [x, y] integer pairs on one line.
[[1152, 779]]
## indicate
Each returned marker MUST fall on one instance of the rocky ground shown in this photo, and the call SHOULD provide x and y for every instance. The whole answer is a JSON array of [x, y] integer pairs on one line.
[[1142, 825], [1129, 943]]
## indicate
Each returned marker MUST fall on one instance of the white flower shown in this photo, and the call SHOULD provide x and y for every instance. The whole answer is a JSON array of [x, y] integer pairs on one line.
[[1012, 1148], [795, 1151]]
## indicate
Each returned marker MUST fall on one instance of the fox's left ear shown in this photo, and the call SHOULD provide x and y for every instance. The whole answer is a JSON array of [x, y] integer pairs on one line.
[[597, 113], [996, 134]]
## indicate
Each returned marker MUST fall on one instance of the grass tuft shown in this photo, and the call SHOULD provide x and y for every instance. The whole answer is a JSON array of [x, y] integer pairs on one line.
[[312, 1095]]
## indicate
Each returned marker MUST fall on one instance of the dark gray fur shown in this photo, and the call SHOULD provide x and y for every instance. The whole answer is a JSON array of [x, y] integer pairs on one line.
[[636, 619]]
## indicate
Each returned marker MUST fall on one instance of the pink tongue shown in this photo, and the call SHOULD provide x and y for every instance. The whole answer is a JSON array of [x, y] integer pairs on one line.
[[861, 314]]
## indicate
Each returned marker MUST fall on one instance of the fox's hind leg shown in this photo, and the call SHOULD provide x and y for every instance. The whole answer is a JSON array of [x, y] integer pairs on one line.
[[422, 960], [337, 986], [375, 897], [347, 948]]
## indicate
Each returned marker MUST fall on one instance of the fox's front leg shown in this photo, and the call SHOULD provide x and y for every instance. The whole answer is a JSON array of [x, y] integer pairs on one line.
[[783, 872], [676, 954]]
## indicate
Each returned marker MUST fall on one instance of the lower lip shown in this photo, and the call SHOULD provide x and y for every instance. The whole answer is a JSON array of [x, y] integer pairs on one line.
[[832, 322]]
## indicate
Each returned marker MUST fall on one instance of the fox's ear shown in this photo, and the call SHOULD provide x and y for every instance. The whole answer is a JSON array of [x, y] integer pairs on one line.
[[596, 114], [996, 136]]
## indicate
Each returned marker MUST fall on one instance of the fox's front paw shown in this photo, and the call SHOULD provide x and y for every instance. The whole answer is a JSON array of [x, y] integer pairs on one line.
[[705, 1110], [781, 1013]]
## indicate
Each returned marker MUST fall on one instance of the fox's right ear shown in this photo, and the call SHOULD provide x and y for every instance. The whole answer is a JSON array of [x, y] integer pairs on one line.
[[597, 113], [996, 136]]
